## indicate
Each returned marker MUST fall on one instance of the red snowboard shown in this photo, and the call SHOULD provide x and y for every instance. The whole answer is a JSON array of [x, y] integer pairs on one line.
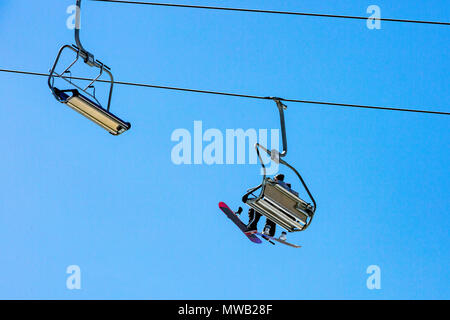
[[251, 235]]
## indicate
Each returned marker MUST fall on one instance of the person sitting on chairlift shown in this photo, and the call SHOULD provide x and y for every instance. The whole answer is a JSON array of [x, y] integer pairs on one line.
[[254, 216]]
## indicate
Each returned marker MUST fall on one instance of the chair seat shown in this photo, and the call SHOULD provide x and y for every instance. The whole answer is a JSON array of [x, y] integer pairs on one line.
[[93, 111], [282, 206]]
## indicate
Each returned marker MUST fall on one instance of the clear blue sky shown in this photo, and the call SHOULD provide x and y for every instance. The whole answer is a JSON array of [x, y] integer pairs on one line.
[[142, 227]]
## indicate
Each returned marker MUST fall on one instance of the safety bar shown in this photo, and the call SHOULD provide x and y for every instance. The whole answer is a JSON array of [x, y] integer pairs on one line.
[[100, 65]]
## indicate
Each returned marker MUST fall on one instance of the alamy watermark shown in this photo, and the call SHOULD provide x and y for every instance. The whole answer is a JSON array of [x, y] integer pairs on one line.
[[73, 282], [211, 147], [72, 22], [374, 22], [374, 280]]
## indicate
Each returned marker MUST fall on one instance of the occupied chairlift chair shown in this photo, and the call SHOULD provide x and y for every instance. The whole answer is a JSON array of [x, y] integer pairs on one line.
[[276, 201], [79, 99]]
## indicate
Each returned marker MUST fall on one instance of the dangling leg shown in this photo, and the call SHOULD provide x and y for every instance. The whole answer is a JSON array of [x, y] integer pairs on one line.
[[272, 227], [253, 218]]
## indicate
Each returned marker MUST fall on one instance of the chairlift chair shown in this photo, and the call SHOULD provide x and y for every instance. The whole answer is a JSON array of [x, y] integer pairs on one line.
[[276, 201], [79, 98]]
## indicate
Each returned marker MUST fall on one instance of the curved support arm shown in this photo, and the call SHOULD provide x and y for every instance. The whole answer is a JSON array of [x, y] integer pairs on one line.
[[103, 68], [281, 107], [257, 147], [86, 55], [111, 88], [77, 25], [303, 183], [249, 192], [51, 75]]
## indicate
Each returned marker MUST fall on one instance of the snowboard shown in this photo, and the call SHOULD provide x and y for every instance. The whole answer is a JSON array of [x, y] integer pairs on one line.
[[268, 238], [251, 235]]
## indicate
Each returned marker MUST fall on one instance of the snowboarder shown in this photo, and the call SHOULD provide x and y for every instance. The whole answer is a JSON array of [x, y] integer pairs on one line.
[[254, 216]]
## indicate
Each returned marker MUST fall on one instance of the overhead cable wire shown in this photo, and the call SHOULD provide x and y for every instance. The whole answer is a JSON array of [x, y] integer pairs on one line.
[[308, 14], [238, 95]]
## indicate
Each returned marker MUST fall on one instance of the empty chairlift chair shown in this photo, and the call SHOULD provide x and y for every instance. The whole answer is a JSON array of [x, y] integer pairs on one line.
[[79, 98]]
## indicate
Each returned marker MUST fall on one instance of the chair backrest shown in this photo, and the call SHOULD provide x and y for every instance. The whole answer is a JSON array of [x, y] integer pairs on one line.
[[282, 206]]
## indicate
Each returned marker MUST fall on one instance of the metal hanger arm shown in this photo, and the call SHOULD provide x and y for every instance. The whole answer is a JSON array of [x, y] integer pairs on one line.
[[86, 55], [281, 107]]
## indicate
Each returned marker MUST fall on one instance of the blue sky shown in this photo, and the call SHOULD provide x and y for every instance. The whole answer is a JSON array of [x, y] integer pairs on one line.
[[141, 227]]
